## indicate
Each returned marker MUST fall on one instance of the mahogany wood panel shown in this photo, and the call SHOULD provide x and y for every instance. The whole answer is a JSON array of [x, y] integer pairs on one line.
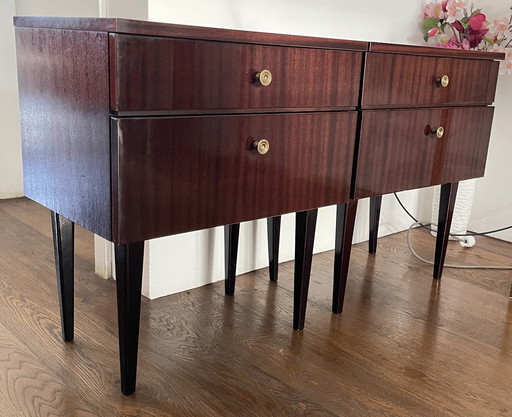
[[137, 27], [430, 51], [177, 174], [161, 74], [63, 87], [397, 153], [393, 80]]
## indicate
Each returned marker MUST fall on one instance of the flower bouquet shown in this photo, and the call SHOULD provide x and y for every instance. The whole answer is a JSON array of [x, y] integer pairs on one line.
[[454, 24]]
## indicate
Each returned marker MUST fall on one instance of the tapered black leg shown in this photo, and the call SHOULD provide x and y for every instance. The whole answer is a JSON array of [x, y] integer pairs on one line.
[[64, 248], [273, 232], [304, 238], [129, 259], [231, 233], [375, 203], [446, 206], [345, 218]]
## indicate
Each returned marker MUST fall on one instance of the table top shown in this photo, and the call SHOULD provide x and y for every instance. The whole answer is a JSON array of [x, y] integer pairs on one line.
[[140, 27]]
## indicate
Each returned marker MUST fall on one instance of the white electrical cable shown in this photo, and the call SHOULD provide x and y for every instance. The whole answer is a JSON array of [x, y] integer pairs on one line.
[[446, 265]]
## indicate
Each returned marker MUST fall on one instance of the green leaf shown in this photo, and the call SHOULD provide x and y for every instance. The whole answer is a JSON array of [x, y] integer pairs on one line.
[[430, 23]]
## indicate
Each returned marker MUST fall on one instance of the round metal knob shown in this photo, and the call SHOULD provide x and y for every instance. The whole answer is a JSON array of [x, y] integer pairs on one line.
[[262, 146], [264, 77], [443, 81], [439, 132]]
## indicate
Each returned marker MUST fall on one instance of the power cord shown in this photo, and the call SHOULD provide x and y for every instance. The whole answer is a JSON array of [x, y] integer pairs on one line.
[[458, 237]]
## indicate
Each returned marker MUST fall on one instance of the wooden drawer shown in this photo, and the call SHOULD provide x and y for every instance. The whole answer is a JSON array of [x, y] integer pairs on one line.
[[177, 174], [151, 74], [398, 152], [396, 80]]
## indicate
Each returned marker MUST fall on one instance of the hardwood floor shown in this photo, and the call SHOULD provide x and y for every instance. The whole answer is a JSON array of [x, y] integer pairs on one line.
[[405, 345]]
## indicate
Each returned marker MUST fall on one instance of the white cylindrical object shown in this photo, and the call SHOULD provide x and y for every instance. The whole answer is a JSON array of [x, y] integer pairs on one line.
[[462, 210]]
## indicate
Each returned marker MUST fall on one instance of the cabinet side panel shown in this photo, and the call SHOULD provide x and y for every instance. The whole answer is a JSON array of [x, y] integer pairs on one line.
[[64, 103]]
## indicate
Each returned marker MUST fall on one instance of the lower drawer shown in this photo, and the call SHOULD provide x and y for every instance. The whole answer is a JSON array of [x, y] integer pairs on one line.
[[399, 150], [178, 174]]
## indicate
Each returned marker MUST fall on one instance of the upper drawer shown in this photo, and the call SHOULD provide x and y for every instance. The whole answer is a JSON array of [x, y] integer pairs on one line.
[[394, 80], [398, 151], [174, 75], [178, 174]]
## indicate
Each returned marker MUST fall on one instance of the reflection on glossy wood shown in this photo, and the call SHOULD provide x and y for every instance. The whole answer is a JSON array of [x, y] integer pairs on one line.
[[446, 207], [64, 250], [430, 51], [375, 204], [231, 234], [345, 219], [304, 239], [129, 259], [64, 114], [393, 80], [273, 234], [204, 173], [199, 348], [159, 74], [416, 159], [138, 27]]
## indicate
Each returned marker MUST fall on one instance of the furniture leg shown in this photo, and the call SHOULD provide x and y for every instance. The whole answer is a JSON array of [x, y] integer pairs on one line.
[[345, 219], [273, 232], [129, 259], [446, 206], [231, 233], [64, 248], [304, 238], [375, 203]]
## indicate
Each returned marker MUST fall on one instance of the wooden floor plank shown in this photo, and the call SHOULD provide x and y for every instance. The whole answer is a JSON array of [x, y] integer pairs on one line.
[[406, 345]]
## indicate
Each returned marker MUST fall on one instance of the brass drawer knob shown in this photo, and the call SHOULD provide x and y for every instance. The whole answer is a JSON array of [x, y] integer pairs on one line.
[[439, 132], [443, 81], [262, 146], [264, 77]]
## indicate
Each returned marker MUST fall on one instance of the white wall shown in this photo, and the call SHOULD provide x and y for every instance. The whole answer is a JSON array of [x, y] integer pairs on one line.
[[185, 261], [11, 182], [492, 205]]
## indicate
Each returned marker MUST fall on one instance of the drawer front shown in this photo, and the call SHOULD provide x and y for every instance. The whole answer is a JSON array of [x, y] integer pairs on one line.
[[177, 174], [394, 80], [163, 75], [397, 150]]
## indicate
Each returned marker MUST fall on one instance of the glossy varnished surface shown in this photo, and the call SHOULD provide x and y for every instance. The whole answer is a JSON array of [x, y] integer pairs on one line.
[[424, 50], [161, 74], [192, 173], [395, 153], [138, 27], [395, 80], [63, 87], [402, 347]]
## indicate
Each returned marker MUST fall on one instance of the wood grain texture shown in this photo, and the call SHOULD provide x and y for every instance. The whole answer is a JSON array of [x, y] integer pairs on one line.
[[395, 153], [401, 347], [430, 51], [63, 87], [161, 74], [393, 80], [139, 27], [198, 172]]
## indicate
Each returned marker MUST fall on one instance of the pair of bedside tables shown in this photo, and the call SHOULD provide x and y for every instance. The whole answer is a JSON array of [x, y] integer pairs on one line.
[[136, 130]]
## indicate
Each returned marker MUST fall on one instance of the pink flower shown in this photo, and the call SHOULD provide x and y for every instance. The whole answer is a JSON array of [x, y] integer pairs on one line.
[[433, 32], [477, 21], [457, 25], [454, 10], [434, 10], [478, 28], [499, 26]]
